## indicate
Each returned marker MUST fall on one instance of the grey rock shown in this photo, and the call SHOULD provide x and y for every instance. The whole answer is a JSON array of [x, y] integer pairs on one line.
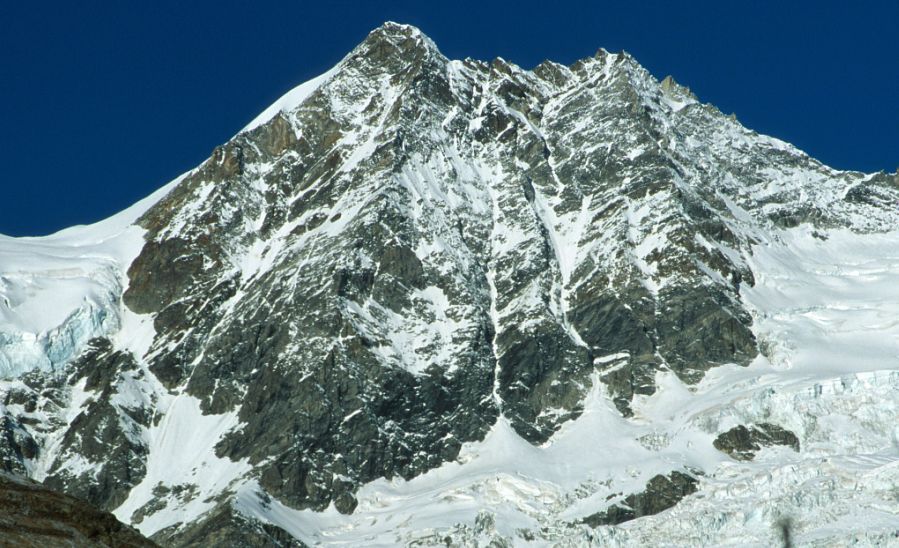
[[742, 442], [661, 493], [226, 527], [104, 433], [16, 446]]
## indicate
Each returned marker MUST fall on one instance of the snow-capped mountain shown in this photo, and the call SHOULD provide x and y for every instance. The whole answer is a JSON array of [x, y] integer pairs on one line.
[[420, 301]]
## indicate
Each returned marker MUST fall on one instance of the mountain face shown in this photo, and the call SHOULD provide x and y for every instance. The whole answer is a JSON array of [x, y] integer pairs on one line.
[[422, 301]]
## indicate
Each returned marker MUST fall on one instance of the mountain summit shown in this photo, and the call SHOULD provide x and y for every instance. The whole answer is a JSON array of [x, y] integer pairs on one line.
[[421, 299]]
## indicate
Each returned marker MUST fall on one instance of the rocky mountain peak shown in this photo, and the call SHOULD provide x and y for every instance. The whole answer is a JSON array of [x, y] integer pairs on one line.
[[409, 257], [395, 47]]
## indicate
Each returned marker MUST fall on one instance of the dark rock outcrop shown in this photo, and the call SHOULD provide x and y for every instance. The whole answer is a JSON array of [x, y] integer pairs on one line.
[[106, 432], [661, 493], [742, 443], [33, 516], [226, 527]]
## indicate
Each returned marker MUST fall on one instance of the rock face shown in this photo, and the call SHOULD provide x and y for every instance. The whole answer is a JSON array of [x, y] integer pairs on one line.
[[31, 515], [662, 492], [410, 254], [225, 527], [742, 443]]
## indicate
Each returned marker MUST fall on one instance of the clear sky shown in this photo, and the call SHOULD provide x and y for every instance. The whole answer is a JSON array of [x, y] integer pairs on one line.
[[103, 102]]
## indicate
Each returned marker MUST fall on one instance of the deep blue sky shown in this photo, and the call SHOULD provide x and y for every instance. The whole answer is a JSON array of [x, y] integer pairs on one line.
[[101, 103]]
